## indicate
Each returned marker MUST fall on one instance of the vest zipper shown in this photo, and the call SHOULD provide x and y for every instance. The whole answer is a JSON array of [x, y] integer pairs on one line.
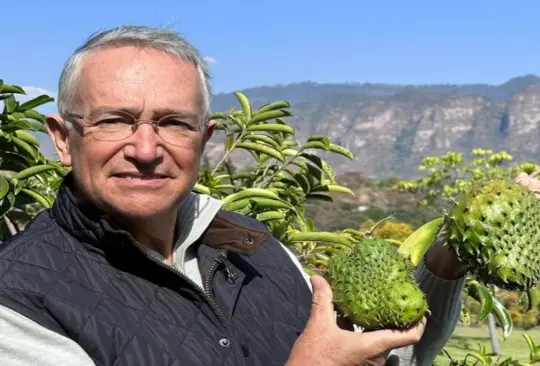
[[231, 275], [205, 292]]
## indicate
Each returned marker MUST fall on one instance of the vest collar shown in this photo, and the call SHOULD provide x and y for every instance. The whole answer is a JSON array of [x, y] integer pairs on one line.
[[92, 226]]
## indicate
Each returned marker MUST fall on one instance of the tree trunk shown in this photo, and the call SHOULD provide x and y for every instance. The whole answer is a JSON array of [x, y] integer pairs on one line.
[[495, 347]]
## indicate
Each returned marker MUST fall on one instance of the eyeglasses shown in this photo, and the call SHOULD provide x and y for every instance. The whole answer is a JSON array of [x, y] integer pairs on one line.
[[174, 129]]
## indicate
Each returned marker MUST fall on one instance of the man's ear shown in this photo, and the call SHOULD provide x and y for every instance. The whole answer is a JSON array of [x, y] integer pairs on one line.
[[208, 133], [59, 135], [209, 130]]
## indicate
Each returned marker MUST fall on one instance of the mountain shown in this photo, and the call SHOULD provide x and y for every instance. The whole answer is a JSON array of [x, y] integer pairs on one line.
[[390, 128]]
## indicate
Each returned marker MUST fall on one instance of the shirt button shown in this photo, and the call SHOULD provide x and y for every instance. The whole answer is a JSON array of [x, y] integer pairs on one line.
[[224, 342]]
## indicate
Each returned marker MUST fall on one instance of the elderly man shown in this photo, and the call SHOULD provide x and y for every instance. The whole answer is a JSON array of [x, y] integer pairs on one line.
[[131, 268]]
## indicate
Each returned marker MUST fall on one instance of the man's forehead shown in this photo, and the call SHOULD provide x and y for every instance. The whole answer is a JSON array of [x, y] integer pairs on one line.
[[124, 76], [132, 61]]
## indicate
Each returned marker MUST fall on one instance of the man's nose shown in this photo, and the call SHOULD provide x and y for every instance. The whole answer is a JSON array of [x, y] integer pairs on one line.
[[145, 146]]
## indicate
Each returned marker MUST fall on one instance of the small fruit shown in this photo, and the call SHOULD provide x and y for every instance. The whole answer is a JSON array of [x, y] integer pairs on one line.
[[374, 286]]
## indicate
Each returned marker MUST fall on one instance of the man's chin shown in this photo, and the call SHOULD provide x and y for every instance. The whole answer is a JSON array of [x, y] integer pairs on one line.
[[140, 210]]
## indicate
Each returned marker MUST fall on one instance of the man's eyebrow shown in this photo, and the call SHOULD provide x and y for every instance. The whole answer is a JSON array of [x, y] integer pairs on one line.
[[180, 111], [186, 113]]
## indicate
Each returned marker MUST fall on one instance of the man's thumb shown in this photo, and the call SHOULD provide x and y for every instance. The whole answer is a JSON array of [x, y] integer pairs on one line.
[[322, 308]]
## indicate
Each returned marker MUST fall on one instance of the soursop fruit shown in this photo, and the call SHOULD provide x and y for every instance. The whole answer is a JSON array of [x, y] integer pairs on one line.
[[374, 286], [494, 229]]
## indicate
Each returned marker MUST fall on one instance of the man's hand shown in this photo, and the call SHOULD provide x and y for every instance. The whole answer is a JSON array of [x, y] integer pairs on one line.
[[324, 343], [529, 181]]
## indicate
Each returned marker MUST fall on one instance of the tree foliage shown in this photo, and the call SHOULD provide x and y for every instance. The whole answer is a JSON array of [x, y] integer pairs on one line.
[[28, 179], [451, 174], [287, 174]]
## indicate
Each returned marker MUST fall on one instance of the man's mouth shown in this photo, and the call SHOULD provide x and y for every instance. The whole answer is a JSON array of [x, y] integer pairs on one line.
[[140, 176]]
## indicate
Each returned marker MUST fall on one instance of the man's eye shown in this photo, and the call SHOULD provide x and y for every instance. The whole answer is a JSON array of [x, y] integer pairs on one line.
[[175, 123], [112, 121]]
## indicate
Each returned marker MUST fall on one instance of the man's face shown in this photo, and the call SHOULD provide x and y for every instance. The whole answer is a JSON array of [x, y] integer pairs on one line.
[[150, 84]]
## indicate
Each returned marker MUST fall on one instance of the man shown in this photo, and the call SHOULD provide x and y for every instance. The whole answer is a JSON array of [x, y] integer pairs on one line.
[[131, 268]]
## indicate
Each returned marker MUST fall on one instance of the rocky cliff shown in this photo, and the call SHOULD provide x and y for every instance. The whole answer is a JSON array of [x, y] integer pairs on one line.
[[391, 128]]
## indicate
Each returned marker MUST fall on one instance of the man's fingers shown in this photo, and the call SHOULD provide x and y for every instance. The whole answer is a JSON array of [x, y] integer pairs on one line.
[[387, 339], [521, 177], [380, 360], [322, 309]]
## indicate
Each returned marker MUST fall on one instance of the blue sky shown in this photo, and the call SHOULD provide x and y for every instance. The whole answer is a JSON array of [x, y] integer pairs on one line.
[[274, 42]]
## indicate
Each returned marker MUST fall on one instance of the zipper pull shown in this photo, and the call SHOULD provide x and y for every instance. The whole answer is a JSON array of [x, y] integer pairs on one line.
[[231, 274]]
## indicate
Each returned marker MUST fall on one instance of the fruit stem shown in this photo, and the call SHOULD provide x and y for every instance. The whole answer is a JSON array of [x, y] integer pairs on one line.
[[372, 230]]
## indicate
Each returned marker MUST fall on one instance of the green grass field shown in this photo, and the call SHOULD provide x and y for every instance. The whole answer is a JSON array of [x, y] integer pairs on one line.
[[466, 339]]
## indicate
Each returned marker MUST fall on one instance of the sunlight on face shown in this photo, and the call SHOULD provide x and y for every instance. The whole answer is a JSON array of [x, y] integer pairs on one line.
[[148, 83]]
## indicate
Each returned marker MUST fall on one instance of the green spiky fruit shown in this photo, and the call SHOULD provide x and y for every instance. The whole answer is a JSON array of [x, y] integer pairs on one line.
[[494, 230], [374, 286]]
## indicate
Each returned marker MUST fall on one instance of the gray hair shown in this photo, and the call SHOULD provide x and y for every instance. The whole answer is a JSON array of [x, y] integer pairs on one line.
[[158, 38]]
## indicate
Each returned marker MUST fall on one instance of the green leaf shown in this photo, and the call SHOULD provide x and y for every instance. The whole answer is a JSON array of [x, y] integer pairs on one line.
[[483, 296], [17, 125], [264, 203], [465, 315], [265, 116], [4, 187], [27, 137], [302, 181], [263, 149], [503, 317], [263, 138], [250, 192], [325, 140], [319, 197], [10, 104], [199, 188], [229, 142], [244, 103], [6, 204], [27, 148], [318, 236], [533, 298], [34, 170], [417, 244], [15, 89], [335, 188], [38, 197], [314, 145], [30, 113], [271, 215], [272, 127], [341, 150], [282, 104], [290, 152], [481, 358], [34, 103]]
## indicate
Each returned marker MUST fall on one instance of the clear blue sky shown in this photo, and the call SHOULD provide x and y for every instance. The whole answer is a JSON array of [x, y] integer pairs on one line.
[[273, 42]]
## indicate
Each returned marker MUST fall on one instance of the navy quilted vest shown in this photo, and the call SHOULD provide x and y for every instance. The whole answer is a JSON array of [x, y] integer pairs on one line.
[[72, 273]]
